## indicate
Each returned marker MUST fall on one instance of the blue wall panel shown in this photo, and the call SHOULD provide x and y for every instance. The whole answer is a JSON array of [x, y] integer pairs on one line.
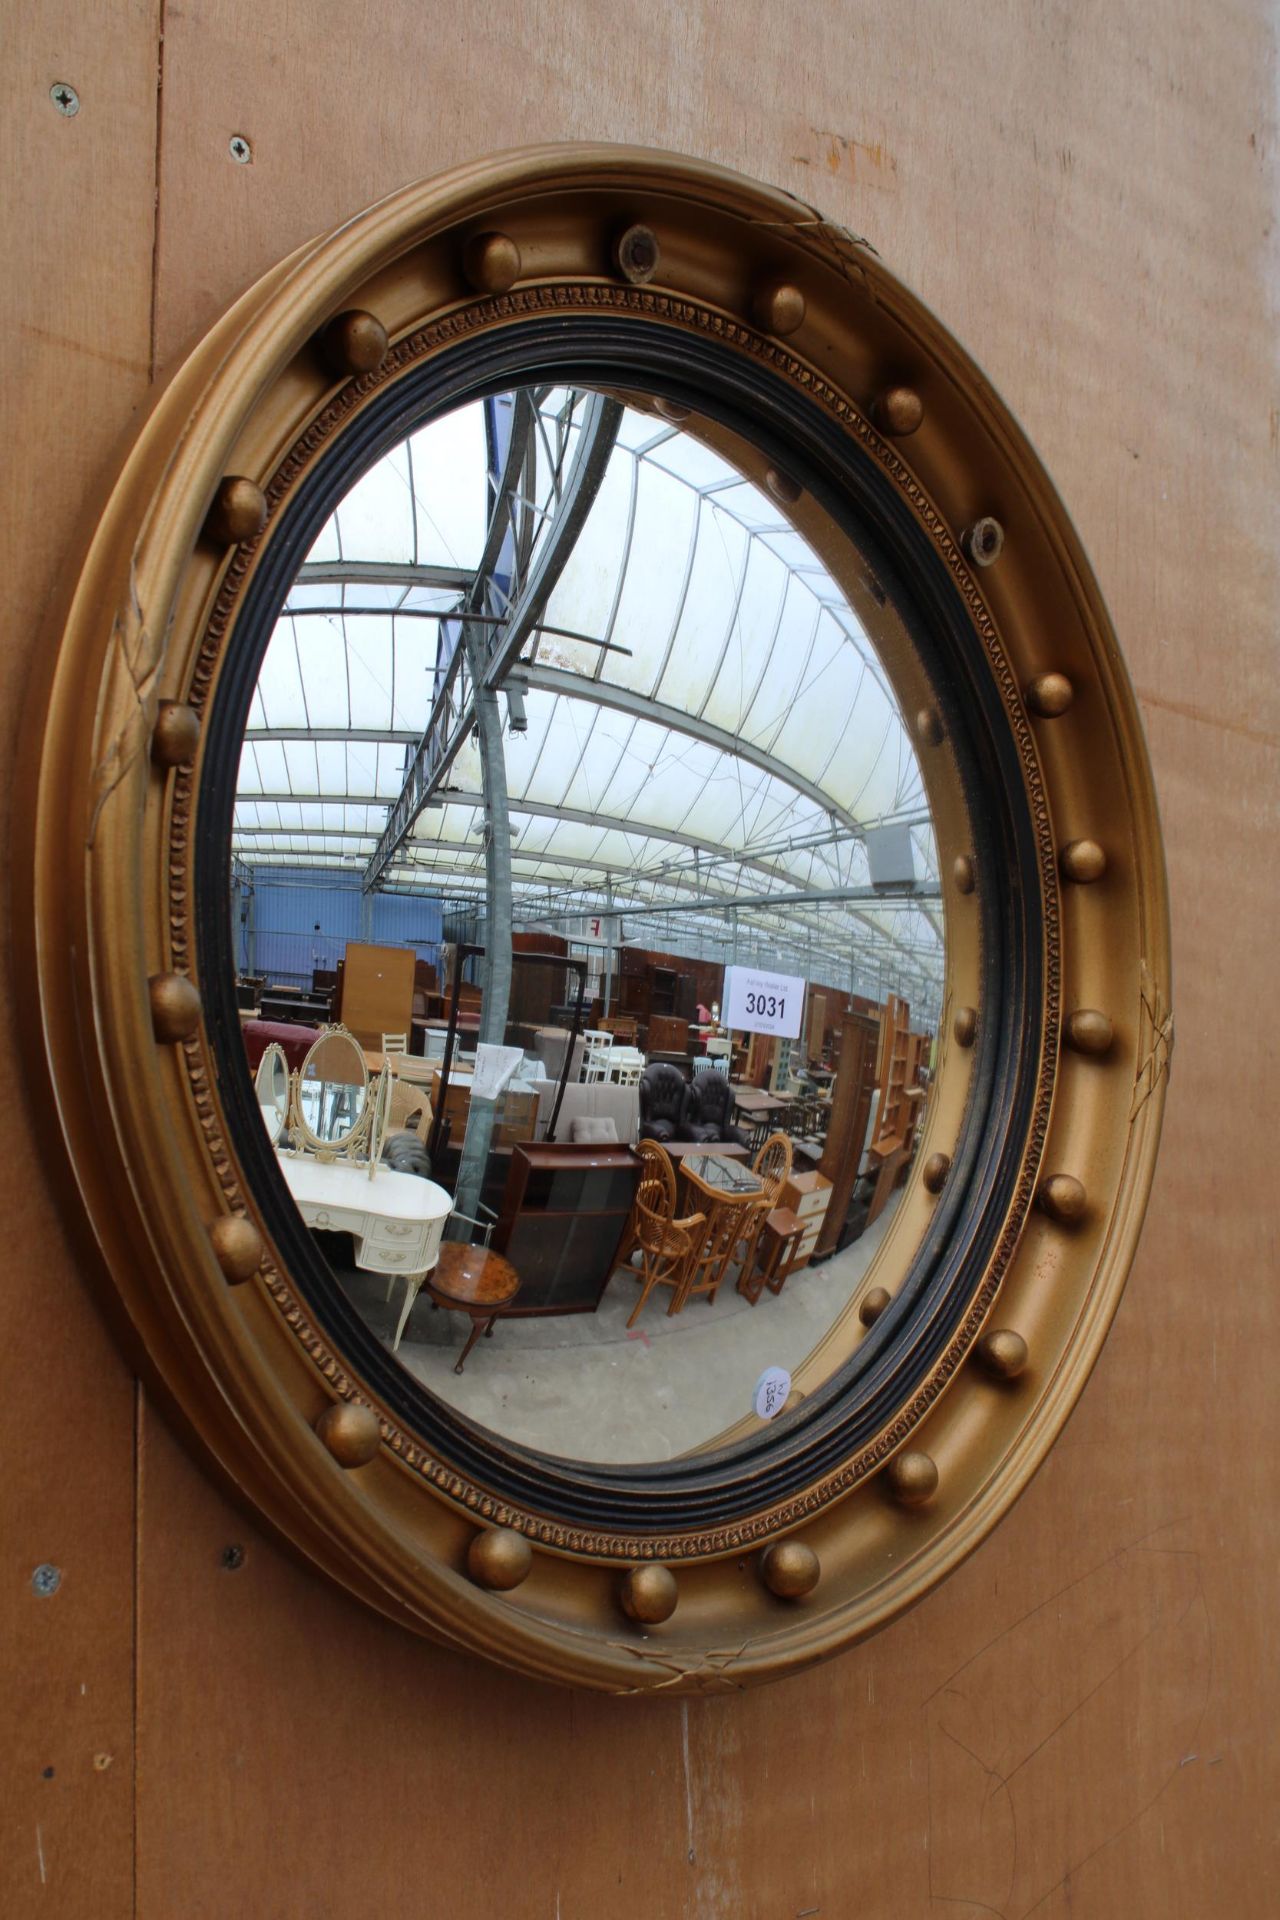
[[302, 920]]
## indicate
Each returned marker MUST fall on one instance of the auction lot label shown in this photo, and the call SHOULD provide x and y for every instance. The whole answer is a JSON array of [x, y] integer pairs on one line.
[[756, 1002]]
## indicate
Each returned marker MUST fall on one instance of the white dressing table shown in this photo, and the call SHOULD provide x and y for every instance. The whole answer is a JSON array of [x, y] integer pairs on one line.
[[396, 1219]]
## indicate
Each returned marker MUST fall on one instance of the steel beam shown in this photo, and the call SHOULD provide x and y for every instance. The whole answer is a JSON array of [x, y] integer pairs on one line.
[[453, 713], [362, 736], [383, 573], [638, 706]]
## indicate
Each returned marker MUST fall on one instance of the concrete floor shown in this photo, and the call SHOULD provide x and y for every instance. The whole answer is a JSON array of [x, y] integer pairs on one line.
[[584, 1386]]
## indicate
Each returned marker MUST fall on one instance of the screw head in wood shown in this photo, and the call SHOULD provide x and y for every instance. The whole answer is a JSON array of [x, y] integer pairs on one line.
[[965, 1026], [239, 511], [962, 872], [873, 1305], [1082, 861], [354, 342], [1002, 1353], [984, 541], [175, 1007], [929, 727], [913, 1478], [1088, 1031], [1063, 1198], [1050, 695], [499, 1558], [790, 1569], [778, 308], [176, 734], [636, 254], [648, 1594], [783, 488], [350, 1432], [491, 262], [237, 1247], [899, 410], [936, 1169]]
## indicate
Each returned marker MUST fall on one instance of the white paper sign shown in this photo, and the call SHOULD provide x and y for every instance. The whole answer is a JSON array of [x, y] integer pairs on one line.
[[773, 1389], [494, 1068], [756, 1002]]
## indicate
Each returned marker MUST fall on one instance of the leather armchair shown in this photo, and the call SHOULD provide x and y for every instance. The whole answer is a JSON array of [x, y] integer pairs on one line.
[[709, 1105], [662, 1102]]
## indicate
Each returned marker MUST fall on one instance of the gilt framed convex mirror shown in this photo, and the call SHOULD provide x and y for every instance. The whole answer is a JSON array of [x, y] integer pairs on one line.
[[605, 740]]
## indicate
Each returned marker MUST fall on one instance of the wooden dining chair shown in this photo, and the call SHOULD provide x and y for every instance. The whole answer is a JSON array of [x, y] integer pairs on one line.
[[656, 1189], [772, 1166], [666, 1245], [668, 1249], [728, 1222]]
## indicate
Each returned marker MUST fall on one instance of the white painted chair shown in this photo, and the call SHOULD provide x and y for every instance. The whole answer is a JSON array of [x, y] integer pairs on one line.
[[626, 1064], [395, 1043], [596, 1058]]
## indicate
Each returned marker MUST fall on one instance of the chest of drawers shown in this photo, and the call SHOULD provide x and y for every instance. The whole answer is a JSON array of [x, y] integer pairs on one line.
[[808, 1196]]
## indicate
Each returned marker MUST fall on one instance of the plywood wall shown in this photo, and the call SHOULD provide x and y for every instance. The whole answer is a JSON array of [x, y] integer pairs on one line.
[[1081, 1721]]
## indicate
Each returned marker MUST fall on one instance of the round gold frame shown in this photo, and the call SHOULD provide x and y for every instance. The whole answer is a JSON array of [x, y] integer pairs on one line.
[[182, 1239]]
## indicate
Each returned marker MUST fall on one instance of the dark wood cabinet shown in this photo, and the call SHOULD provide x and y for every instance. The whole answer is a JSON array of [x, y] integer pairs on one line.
[[847, 1126], [564, 1209]]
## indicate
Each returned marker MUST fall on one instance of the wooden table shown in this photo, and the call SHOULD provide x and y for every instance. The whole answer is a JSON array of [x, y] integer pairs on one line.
[[395, 1219], [474, 1281], [729, 1215], [776, 1250], [759, 1104], [410, 1067], [679, 1150]]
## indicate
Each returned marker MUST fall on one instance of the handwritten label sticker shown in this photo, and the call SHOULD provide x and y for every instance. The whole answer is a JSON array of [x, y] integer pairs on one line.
[[773, 1389]]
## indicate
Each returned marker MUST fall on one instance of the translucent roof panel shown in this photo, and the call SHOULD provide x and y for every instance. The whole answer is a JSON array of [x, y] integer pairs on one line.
[[730, 740]]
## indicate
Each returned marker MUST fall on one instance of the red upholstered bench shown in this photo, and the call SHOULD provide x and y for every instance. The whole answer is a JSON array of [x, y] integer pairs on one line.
[[296, 1041]]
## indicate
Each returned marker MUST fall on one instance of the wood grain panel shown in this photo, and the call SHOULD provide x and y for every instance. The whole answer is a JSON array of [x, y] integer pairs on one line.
[[1080, 1721], [77, 212]]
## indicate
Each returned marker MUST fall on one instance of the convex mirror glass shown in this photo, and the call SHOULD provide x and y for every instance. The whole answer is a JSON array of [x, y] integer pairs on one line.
[[576, 787]]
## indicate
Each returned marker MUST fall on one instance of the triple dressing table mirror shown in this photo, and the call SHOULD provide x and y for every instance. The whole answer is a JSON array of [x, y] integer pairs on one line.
[[274, 1090], [331, 1100]]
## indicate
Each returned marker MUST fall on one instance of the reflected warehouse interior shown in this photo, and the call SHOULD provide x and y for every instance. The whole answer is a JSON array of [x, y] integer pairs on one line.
[[587, 922]]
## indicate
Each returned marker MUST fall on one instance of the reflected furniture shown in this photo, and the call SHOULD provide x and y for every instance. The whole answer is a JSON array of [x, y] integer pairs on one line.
[[377, 990], [602, 1100], [667, 1247], [774, 1254], [664, 1103], [709, 1102], [727, 1193], [515, 1111], [757, 1109], [395, 1220], [330, 1113], [294, 1006], [599, 1048], [847, 1128], [808, 1195], [681, 1150], [294, 1041], [564, 1211], [667, 1035], [474, 1281]]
